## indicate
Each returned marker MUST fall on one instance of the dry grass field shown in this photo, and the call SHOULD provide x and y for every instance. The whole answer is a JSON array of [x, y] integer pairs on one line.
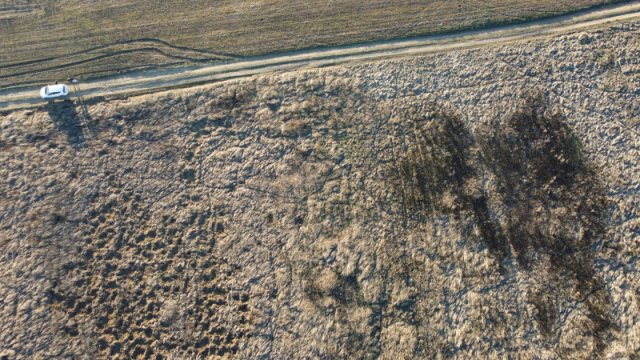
[[414, 208], [47, 40]]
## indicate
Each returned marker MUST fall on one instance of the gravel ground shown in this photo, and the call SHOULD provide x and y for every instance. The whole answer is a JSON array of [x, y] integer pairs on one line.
[[269, 218]]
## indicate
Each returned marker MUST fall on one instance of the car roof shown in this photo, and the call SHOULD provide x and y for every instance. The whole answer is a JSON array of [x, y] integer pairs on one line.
[[57, 88]]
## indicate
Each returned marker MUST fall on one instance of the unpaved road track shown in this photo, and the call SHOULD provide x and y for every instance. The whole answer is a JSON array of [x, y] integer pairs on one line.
[[163, 79]]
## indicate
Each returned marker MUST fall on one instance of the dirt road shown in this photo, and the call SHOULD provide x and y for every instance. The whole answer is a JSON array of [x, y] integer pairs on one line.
[[163, 79]]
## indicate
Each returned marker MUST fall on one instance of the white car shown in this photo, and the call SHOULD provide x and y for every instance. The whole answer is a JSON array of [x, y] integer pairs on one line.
[[54, 91]]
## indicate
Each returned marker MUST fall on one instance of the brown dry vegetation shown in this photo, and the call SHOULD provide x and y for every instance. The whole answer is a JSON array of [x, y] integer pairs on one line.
[[413, 208], [52, 40]]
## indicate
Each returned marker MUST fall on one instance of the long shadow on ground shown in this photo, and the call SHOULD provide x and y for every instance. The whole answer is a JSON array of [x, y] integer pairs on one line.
[[66, 118]]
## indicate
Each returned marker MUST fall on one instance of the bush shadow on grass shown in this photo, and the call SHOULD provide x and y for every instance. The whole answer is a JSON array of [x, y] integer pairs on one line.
[[65, 117], [557, 209], [437, 175], [539, 166], [553, 204]]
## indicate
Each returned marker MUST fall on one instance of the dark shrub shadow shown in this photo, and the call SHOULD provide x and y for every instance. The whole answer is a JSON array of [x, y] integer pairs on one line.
[[434, 163], [557, 213], [65, 117], [543, 213], [436, 173]]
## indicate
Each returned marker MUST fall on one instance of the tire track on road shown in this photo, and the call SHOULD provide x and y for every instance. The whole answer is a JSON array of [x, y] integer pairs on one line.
[[165, 79], [108, 55], [221, 55]]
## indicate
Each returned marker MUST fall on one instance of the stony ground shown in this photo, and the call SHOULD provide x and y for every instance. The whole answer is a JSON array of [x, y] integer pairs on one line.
[[470, 204]]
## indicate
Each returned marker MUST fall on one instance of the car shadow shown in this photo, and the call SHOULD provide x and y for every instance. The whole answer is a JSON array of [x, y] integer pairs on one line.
[[65, 117]]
